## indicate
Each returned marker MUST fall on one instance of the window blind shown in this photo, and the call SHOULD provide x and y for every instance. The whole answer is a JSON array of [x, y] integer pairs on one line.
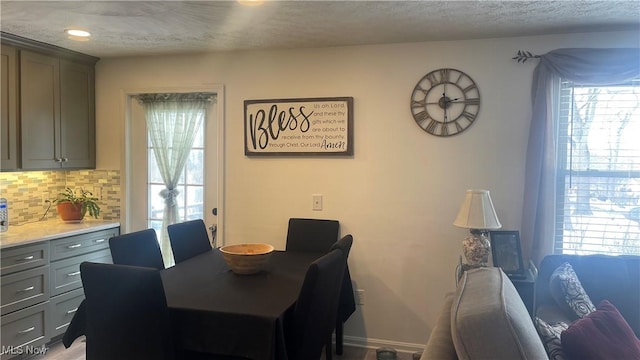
[[598, 173]]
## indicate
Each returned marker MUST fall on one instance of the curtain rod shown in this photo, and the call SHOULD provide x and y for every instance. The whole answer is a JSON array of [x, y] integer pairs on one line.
[[523, 56]]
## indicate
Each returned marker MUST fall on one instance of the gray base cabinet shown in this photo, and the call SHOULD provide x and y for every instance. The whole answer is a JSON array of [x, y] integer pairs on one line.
[[24, 288], [61, 312], [41, 288], [24, 330]]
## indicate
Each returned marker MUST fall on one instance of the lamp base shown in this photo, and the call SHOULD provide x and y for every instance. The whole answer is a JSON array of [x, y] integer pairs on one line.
[[476, 249]]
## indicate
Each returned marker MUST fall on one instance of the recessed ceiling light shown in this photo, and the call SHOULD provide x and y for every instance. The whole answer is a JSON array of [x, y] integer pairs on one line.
[[77, 33], [251, 2]]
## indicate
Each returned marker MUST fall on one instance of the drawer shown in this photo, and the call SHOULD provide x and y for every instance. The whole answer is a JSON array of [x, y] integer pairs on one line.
[[65, 274], [24, 289], [23, 332], [81, 244], [24, 257], [62, 308]]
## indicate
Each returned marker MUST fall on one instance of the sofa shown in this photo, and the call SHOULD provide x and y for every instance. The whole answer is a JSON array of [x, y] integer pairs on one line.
[[614, 278], [485, 317]]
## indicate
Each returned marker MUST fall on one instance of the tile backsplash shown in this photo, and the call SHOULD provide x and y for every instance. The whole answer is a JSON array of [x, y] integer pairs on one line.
[[26, 192]]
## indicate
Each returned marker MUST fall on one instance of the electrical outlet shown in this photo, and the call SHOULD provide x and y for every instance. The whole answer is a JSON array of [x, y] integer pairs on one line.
[[317, 202], [97, 192], [359, 297]]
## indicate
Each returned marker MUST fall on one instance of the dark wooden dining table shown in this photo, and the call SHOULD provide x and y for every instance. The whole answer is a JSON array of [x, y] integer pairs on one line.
[[216, 311]]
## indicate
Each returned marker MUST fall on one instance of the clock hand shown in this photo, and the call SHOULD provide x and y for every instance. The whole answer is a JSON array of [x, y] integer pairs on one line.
[[445, 103]]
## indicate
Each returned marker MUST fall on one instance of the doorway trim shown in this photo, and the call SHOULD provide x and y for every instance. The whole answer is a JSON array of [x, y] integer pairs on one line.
[[126, 196]]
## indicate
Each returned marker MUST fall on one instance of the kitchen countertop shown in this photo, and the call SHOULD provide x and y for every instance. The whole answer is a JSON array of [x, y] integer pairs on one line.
[[50, 229]]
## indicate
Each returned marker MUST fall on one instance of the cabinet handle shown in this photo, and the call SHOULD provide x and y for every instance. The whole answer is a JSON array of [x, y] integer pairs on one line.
[[72, 311], [73, 273], [26, 258], [98, 241], [74, 246], [27, 330], [65, 159], [58, 160], [26, 289]]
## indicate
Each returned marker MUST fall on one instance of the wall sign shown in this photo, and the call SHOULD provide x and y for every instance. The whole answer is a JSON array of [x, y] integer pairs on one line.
[[315, 126]]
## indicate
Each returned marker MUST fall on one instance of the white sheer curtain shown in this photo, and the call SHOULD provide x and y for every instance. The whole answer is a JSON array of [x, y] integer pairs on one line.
[[172, 123], [583, 67]]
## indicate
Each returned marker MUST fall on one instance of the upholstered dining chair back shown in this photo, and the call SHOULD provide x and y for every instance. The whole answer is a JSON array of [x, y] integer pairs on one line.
[[188, 239], [344, 245], [138, 248], [315, 310], [347, 304], [312, 235], [126, 313]]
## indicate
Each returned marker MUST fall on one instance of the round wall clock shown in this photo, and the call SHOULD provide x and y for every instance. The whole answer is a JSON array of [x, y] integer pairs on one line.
[[445, 102]]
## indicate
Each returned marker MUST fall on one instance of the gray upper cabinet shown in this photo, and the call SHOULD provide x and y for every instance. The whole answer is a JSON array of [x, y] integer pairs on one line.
[[56, 117], [57, 113], [77, 115], [39, 110], [8, 109]]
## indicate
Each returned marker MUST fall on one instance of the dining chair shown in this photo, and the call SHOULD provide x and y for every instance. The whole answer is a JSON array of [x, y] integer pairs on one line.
[[347, 304], [126, 313], [188, 239], [315, 310], [312, 235], [344, 245], [138, 248]]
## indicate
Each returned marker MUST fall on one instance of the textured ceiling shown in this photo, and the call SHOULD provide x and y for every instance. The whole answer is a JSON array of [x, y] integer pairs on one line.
[[128, 28]]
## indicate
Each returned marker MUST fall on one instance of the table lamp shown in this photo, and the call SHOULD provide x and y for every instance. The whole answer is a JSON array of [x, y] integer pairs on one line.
[[478, 215]]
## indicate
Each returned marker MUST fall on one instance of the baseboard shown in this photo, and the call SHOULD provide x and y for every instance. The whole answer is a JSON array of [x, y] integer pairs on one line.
[[378, 343]]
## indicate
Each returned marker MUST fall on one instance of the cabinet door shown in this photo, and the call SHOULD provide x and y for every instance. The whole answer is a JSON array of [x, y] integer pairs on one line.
[[9, 120], [39, 110], [77, 120]]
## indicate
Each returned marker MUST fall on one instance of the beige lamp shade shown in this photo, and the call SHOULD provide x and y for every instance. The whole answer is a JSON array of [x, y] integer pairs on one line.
[[477, 212]]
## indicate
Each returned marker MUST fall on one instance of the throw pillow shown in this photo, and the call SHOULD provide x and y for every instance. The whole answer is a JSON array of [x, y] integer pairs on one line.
[[550, 336], [602, 335], [567, 291]]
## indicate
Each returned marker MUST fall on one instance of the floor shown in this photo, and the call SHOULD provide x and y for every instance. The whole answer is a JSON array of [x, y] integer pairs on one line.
[[77, 352]]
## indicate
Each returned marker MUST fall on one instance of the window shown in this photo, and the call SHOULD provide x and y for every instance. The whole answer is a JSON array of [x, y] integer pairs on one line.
[[191, 185], [598, 177]]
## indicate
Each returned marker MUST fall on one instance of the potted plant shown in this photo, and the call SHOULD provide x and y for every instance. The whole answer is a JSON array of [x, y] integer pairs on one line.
[[72, 207]]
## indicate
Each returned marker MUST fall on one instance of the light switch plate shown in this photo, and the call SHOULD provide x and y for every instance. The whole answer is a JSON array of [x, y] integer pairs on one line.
[[317, 202]]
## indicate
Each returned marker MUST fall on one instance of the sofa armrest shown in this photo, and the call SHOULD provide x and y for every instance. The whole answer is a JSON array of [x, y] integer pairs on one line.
[[440, 345], [490, 321]]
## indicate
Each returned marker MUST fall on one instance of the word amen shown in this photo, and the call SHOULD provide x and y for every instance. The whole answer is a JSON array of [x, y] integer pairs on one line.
[[23, 350], [265, 127]]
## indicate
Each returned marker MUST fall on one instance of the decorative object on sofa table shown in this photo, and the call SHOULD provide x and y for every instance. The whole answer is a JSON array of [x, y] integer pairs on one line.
[[478, 215], [506, 252]]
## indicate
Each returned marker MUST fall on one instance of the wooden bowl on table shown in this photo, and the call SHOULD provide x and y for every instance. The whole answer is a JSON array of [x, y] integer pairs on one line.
[[246, 259]]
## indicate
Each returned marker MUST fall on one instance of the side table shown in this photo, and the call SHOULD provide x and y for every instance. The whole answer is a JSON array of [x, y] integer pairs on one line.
[[526, 287]]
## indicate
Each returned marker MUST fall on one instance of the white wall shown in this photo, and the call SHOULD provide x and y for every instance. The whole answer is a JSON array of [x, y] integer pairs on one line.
[[400, 192]]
